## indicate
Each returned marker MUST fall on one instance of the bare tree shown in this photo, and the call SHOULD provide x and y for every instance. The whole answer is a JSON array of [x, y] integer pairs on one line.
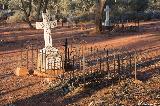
[[27, 13]]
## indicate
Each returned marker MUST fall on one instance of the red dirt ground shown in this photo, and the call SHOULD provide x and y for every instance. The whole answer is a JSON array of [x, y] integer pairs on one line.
[[13, 88]]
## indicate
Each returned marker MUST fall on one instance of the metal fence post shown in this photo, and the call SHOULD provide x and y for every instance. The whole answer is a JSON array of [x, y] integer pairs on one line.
[[130, 64], [32, 58], [135, 67], [119, 68], [107, 60], [114, 63], [27, 60], [73, 66], [21, 50]]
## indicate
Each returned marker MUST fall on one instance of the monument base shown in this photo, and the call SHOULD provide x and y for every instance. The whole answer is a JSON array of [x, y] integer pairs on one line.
[[49, 59], [50, 73]]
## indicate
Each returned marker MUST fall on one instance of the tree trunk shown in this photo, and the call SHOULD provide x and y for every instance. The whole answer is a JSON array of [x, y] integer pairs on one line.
[[45, 5], [29, 23], [99, 14], [27, 15], [39, 9], [98, 19]]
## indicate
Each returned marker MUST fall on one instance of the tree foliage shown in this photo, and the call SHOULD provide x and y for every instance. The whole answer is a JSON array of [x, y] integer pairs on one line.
[[32, 9], [154, 4]]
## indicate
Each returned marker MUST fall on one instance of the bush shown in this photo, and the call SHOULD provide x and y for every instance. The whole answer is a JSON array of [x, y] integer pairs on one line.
[[18, 16], [84, 18], [2, 16], [132, 16]]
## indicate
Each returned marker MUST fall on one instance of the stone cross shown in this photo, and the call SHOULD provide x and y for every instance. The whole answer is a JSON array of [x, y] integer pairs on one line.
[[106, 23], [46, 25], [48, 57]]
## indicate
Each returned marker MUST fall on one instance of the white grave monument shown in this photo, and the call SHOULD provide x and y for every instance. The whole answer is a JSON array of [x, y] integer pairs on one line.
[[48, 57], [106, 23]]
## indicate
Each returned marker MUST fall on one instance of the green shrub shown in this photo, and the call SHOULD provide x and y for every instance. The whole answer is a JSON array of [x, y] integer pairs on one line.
[[18, 16], [2, 15]]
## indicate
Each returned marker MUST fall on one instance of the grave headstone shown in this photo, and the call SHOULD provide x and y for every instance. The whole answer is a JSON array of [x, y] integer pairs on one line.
[[106, 23], [49, 57]]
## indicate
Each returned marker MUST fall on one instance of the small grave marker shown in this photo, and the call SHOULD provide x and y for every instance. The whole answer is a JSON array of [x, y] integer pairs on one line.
[[106, 23]]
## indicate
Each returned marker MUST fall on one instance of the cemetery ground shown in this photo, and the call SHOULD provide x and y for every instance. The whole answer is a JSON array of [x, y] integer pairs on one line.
[[33, 90]]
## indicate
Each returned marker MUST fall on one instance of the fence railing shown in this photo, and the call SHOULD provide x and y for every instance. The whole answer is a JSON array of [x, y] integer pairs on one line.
[[86, 61]]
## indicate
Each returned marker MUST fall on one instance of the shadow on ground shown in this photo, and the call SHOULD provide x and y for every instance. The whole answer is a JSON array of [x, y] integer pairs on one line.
[[93, 83]]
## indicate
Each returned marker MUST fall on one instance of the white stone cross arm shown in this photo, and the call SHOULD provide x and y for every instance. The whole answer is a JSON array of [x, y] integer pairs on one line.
[[41, 25], [46, 25]]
